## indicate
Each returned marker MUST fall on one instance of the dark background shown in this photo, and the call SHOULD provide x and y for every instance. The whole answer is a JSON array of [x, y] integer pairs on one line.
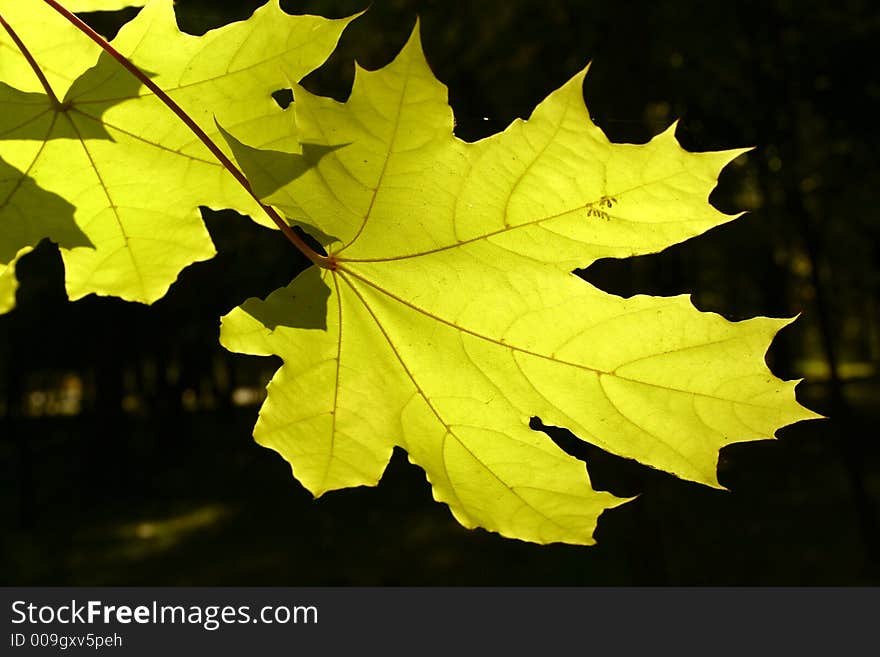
[[125, 447]]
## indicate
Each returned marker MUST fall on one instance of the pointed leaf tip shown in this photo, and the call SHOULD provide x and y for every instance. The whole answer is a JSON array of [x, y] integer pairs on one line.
[[413, 48]]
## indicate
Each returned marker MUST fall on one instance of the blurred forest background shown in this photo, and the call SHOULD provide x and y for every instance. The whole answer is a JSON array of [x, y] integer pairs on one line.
[[125, 448]]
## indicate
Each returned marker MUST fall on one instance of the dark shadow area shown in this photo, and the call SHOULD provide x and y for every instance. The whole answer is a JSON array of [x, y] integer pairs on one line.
[[284, 97], [308, 293], [268, 171], [55, 217]]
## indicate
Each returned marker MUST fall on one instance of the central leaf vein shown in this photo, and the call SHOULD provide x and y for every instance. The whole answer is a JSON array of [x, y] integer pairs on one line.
[[528, 352], [388, 155], [508, 229], [449, 431]]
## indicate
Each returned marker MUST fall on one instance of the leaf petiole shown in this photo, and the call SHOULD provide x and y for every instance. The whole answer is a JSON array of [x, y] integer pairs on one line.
[[316, 258]]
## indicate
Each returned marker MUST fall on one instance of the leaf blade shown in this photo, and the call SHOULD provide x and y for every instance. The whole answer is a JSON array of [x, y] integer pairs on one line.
[[112, 140], [457, 257]]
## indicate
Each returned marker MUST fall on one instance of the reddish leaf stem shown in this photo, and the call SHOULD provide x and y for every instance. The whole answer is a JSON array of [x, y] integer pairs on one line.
[[316, 258], [30, 60]]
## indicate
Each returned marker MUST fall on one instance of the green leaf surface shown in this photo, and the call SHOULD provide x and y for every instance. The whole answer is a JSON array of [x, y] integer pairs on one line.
[[452, 316], [134, 171]]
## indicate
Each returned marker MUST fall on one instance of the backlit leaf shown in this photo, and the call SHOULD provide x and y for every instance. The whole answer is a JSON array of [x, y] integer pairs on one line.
[[453, 317], [135, 173]]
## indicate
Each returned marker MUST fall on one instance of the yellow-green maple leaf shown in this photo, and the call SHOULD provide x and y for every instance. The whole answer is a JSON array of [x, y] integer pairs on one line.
[[102, 5], [452, 316], [134, 171]]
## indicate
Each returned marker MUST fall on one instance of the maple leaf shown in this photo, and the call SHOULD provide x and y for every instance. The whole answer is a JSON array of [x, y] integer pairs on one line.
[[83, 128], [452, 317]]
